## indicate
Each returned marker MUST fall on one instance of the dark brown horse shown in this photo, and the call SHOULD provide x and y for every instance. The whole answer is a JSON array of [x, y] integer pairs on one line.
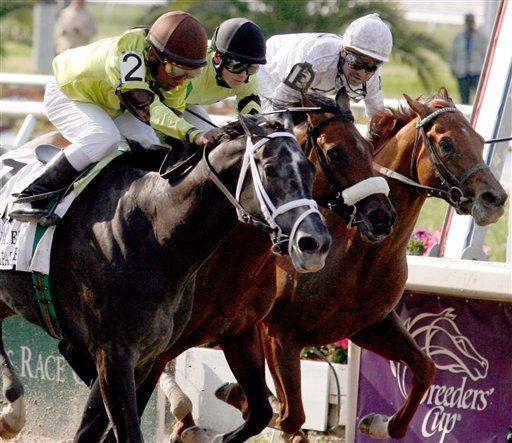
[[137, 240], [232, 276], [443, 156]]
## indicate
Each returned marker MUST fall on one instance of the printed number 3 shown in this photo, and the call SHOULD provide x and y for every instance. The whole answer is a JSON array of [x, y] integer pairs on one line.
[[132, 67]]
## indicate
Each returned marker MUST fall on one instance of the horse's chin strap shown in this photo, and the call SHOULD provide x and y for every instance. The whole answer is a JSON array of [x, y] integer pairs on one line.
[[269, 211]]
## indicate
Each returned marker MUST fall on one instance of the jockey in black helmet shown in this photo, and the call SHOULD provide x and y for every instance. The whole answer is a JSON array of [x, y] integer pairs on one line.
[[237, 50]]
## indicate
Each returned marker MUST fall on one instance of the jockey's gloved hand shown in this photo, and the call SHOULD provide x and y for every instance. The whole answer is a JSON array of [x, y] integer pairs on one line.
[[208, 138]]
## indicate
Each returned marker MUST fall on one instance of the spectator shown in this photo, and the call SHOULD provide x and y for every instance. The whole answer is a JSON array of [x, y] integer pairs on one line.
[[468, 54], [75, 26]]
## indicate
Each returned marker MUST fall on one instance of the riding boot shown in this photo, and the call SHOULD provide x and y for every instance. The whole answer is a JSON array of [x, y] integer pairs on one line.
[[31, 204]]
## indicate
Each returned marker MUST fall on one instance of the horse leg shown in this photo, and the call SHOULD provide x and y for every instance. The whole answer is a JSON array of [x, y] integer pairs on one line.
[[117, 384], [180, 404], [389, 339], [284, 354], [13, 415], [245, 358], [94, 419]]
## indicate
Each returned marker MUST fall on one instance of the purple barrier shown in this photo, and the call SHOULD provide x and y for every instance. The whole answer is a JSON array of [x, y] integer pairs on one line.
[[470, 342]]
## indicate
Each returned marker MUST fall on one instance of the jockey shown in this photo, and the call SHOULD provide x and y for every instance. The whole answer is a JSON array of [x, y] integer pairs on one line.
[[326, 63], [236, 51], [124, 86]]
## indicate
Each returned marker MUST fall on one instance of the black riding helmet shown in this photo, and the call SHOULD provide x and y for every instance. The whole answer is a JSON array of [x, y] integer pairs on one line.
[[241, 40]]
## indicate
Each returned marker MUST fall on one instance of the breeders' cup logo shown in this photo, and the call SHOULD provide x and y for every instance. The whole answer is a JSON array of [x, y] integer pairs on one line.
[[440, 338]]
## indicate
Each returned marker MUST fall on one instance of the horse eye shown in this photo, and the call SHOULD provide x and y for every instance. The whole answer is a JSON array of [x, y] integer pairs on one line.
[[446, 146], [335, 155], [270, 171]]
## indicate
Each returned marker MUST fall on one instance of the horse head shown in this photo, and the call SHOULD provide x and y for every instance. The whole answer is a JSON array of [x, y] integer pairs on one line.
[[447, 157], [441, 339], [343, 157], [273, 190]]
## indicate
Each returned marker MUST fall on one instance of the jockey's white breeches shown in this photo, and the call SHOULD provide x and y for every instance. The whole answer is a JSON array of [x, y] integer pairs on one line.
[[92, 132]]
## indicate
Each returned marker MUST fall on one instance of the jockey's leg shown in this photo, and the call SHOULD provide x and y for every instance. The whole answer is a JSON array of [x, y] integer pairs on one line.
[[93, 136]]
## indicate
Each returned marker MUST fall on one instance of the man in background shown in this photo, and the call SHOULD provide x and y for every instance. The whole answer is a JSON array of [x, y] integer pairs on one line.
[[468, 55], [75, 26]]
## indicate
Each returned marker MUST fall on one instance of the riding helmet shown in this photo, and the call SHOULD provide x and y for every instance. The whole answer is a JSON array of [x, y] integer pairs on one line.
[[241, 39], [181, 38], [369, 35]]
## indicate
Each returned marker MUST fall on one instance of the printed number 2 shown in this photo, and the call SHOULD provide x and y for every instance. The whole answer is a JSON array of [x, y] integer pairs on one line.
[[132, 67]]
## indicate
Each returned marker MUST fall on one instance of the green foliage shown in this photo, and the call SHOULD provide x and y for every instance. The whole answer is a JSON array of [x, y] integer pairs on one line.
[[332, 352], [415, 247], [15, 23]]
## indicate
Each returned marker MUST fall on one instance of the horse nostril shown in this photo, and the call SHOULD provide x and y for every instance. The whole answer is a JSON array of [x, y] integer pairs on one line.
[[492, 199], [379, 217], [307, 244]]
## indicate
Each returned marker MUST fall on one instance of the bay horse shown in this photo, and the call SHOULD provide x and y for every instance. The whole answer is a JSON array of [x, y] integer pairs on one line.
[[428, 149], [137, 239], [230, 275]]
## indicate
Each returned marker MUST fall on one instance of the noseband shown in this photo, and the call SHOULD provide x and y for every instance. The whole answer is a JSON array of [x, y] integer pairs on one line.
[[452, 191], [269, 211], [343, 201]]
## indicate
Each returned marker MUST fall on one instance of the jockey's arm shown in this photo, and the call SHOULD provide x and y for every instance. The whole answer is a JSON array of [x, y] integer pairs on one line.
[[248, 98]]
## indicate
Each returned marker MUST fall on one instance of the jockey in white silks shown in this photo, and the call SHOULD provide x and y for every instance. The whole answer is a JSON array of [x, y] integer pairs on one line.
[[326, 63]]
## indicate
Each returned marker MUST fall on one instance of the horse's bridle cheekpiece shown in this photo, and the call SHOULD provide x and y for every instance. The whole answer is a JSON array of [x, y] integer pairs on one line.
[[343, 201], [453, 193], [269, 211]]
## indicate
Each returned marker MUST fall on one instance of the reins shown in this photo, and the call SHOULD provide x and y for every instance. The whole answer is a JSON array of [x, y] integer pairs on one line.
[[453, 185]]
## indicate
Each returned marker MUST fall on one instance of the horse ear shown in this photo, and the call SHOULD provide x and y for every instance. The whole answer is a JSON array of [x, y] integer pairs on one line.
[[343, 100], [286, 119], [419, 108], [306, 102]]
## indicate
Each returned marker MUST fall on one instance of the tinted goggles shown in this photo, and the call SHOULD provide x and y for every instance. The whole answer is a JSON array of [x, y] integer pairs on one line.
[[237, 67], [175, 70], [356, 64]]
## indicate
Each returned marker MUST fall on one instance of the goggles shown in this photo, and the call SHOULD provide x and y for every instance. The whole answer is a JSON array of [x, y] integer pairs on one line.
[[175, 70], [237, 67], [356, 64]]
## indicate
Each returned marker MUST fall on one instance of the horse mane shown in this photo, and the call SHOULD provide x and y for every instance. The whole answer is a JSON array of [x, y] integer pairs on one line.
[[234, 129], [387, 122]]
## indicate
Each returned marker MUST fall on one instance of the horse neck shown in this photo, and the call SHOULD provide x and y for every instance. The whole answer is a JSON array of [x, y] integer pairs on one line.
[[191, 218], [396, 155]]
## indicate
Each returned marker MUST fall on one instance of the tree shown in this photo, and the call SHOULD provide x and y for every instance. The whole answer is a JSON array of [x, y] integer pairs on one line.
[[414, 48]]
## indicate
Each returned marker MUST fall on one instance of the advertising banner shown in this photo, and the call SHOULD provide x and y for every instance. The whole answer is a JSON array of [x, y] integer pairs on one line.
[[470, 342]]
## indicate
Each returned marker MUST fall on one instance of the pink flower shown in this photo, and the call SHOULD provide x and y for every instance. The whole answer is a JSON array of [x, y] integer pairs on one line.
[[343, 343], [428, 239]]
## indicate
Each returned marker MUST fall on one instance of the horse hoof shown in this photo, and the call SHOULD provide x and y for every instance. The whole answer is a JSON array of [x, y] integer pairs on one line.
[[12, 419], [375, 426], [196, 434]]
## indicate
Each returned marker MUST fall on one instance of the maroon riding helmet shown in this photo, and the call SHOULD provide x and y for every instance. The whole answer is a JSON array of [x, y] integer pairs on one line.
[[181, 38]]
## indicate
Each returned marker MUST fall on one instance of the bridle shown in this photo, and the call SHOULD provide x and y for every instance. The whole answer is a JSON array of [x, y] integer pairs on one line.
[[281, 242], [343, 201], [452, 185]]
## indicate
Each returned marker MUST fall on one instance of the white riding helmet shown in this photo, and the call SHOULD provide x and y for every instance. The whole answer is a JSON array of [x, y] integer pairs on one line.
[[370, 36]]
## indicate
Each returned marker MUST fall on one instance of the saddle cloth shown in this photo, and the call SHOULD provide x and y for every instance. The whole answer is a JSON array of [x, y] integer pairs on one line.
[[19, 168]]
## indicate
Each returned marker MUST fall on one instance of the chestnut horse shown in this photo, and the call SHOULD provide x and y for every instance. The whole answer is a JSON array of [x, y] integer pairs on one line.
[[137, 239], [430, 149], [232, 276]]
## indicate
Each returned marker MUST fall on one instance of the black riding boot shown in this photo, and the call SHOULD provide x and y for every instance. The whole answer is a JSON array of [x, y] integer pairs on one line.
[[31, 203]]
